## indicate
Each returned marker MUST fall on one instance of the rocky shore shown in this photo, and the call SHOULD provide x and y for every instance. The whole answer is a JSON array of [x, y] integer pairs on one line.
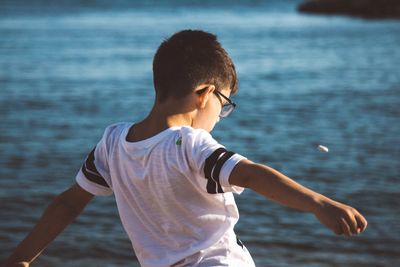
[[373, 9]]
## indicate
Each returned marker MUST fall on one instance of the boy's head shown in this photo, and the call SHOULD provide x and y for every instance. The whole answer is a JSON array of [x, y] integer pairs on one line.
[[188, 59]]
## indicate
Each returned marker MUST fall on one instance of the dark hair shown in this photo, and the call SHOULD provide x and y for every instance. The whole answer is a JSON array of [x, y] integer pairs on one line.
[[189, 58]]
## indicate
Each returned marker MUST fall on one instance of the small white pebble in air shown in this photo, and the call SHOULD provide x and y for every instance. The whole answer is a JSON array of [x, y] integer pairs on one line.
[[323, 148]]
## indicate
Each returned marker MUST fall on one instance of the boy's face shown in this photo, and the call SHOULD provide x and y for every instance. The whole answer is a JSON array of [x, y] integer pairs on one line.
[[208, 115]]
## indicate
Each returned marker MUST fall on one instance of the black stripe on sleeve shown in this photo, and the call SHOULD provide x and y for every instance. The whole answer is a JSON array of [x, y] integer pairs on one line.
[[90, 171], [212, 186], [239, 242], [210, 163], [212, 160], [90, 163], [218, 167]]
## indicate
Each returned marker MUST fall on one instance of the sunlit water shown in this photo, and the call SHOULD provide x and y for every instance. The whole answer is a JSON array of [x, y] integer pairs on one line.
[[68, 72]]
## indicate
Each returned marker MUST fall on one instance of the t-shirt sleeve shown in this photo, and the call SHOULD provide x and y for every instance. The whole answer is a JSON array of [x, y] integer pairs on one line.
[[94, 174], [213, 161]]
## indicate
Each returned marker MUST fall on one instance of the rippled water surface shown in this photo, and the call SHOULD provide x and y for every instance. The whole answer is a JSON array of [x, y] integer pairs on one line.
[[68, 71]]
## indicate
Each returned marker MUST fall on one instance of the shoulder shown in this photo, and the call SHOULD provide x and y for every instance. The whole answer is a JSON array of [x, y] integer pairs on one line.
[[115, 129], [199, 143], [196, 137], [113, 132]]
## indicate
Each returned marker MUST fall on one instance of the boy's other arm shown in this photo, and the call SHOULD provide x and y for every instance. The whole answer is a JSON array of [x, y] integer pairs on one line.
[[59, 214], [338, 217]]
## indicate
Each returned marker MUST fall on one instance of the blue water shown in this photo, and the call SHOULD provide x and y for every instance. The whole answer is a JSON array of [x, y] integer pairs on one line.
[[69, 70]]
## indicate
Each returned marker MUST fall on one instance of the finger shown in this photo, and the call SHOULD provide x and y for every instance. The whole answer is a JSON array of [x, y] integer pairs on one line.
[[361, 222], [351, 222], [345, 227], [338, 229]]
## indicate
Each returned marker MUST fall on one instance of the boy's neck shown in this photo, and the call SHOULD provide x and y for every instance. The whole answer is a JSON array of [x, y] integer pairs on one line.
[[160, 118]]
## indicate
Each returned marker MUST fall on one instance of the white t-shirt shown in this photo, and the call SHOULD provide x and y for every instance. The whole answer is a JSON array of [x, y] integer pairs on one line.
[[173, 195]]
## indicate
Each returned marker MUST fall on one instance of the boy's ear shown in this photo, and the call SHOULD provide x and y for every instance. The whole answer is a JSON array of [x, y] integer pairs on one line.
[[203, 92]]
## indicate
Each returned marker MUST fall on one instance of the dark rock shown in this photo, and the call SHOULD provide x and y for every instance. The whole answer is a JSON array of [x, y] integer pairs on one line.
[[375, 9]]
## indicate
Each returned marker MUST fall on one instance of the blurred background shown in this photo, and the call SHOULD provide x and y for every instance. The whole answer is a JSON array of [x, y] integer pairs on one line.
[[70, 68]]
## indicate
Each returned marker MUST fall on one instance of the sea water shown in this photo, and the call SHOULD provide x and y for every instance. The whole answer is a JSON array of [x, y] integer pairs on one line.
[[69, 69]]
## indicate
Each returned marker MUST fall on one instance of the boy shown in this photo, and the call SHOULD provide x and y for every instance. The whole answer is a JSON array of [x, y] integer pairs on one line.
[[172, 181]]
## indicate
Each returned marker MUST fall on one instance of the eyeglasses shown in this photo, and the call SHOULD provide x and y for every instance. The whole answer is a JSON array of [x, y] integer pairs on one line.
[[228, 107]]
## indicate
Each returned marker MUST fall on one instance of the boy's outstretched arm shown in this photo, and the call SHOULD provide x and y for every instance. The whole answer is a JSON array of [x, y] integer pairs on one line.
[[338, 217], [58, 215]]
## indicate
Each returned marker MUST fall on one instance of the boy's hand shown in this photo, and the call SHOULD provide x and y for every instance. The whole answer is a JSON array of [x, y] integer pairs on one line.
[[340, 218]]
